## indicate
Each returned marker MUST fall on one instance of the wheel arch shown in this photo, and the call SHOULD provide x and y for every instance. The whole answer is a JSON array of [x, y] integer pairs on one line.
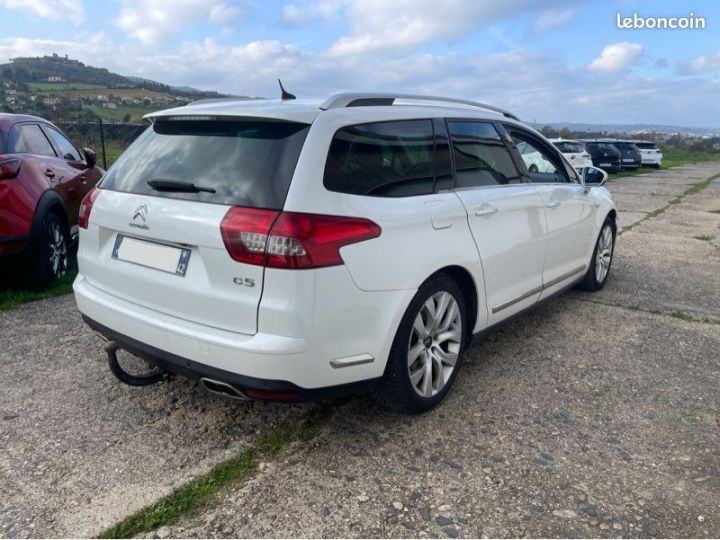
[[466, 282], [49, 201]]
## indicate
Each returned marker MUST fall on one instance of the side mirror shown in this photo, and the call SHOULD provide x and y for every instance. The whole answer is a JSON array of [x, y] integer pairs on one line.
[[594, 177], [90, 157]]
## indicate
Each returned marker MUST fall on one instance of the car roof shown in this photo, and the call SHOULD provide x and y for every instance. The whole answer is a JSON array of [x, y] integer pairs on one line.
[[307, 110], [8, 119]]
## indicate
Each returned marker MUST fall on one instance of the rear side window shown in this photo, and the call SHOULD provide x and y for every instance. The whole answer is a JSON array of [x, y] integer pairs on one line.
[[67, 150], [29, 138], [481, 158], [382, 159], [245, 163], [3, 143]]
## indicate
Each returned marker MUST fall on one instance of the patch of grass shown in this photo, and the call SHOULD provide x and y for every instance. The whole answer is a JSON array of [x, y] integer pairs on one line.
[[676, 157], [198, 494], [705, 237], [715, 211], [13, 297]]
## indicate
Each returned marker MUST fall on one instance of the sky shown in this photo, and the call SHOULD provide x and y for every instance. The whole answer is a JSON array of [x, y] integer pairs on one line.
[[545, 60]]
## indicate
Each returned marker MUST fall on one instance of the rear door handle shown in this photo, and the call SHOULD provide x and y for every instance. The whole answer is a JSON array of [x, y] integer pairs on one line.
[[486, 210], [49, 173], [553, 204]]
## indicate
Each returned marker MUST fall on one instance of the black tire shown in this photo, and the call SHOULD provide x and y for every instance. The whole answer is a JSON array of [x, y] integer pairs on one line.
[[396, 391], [51, 256], [590, 282]]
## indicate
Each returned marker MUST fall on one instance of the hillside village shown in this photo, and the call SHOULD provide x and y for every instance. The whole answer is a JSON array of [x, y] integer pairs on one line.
[[64, 89]]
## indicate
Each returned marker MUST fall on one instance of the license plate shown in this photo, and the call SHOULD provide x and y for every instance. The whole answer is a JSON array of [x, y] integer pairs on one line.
[[169, 259], [629, 160], [604, 164]]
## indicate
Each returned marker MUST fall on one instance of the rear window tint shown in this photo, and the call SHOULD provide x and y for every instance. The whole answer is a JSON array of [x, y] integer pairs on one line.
[[601, 147], [383, 159], [569, 148], [247, 163], [646, 145]]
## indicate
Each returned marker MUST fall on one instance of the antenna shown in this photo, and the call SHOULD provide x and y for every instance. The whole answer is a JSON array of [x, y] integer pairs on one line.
[[284, 93]]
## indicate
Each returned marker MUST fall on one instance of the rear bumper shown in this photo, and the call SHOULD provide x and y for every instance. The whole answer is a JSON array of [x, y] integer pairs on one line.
[[270, 389]]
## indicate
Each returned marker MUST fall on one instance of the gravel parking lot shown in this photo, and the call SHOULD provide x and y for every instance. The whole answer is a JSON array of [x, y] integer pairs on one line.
[[595, 415]]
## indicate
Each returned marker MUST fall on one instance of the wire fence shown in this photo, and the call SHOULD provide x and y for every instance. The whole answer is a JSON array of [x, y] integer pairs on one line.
[[107, 140]]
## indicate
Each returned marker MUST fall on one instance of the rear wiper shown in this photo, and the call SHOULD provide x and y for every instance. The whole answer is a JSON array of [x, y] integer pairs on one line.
[[174, 185]]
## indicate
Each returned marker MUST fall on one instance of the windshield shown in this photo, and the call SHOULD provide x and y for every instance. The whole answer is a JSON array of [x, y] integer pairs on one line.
[[242, 163]]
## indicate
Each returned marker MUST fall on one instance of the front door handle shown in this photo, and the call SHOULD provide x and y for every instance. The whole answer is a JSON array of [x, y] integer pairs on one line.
[[553, 204], [486, 210]]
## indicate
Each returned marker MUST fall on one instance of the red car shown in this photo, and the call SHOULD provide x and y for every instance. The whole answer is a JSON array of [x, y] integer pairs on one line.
[[43, 178]]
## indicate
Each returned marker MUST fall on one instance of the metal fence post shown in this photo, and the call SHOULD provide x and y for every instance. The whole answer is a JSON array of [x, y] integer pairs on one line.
[[102, 142]]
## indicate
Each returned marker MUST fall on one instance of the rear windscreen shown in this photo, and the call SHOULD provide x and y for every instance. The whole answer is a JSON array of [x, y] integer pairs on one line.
[[602, 147], [569, 148], [245, 163], [646, 145]]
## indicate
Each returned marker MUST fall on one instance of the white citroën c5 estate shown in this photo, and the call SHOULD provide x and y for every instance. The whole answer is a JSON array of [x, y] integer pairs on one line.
[[295, 249]]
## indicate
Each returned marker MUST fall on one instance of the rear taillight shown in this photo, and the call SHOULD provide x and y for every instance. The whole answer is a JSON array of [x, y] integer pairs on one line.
[[9, 168], [86, 207], [291, 239]]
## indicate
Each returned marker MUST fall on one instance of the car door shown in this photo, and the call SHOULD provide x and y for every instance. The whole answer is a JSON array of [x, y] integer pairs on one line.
[[71, 172], [570, 210], [28, 138], [505, 214]]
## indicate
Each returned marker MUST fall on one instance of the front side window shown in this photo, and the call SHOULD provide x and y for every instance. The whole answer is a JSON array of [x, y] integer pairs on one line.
[[541, 164], [481, 157], [382, 159], [29, 138], [67, 150], [243, 163]]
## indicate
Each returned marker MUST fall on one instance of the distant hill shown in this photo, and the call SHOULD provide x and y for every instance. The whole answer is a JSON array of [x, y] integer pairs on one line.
[[632, 129], [64, 89]]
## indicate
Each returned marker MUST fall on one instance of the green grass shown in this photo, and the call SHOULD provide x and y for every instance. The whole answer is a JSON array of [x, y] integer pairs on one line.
[[136, 112], [199, 494], [13, 297], [675, 157], [704, 237], [715, 211]]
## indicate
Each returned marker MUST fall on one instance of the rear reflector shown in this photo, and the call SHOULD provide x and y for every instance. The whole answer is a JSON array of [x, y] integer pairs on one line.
[[263, 394], [9, 168], [291, 239], [86, 207]]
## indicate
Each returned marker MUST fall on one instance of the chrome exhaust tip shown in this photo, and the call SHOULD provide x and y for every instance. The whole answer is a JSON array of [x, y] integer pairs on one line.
[[221, 388]]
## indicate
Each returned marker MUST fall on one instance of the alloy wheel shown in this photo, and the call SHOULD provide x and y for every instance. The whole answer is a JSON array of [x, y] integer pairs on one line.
[[435, 343], [57, 250], [604, 254]]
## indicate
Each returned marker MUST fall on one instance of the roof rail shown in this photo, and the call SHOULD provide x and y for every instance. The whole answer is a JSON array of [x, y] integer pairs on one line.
[[339, 101]]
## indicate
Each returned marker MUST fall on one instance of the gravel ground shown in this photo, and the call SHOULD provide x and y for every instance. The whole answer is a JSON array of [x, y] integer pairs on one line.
[[595, 415]]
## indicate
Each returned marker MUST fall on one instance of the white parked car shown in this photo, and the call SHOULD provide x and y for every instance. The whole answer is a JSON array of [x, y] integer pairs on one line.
[[650, 154], [575, 152], [291, 250]]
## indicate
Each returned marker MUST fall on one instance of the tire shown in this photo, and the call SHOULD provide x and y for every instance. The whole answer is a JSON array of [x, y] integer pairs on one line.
[[50, 259], [398, 390], [599, 269]]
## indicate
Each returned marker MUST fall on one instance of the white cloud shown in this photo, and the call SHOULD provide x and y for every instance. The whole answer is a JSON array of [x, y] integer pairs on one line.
[[404, 24], [297, 15], [69, 10], [701, 64], [149, 21], [548, 20], [616, 57]]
